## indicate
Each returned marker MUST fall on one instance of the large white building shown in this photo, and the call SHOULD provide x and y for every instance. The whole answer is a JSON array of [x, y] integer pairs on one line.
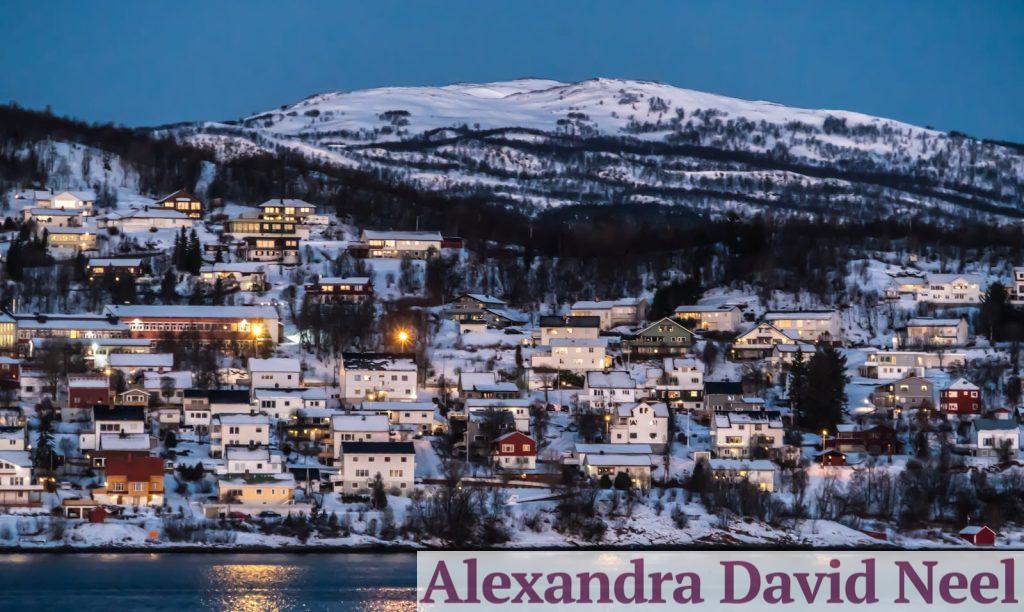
[[613, 313], [358, 428], [938, 333], [377, 376], [714, 318]]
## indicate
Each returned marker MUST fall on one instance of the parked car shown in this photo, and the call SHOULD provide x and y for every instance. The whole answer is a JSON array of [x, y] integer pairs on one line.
[[238, 516], [269, 515]]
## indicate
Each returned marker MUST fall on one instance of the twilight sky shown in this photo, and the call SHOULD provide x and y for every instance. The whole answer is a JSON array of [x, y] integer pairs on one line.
[[948, 64]]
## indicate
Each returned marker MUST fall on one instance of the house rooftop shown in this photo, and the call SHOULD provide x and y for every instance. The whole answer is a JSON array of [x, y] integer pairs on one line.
[[570, 321], [275, 364], [378, 448], [356, 422]]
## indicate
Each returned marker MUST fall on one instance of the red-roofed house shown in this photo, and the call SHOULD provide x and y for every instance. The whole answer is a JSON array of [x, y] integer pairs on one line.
[[514, 451], [133, 481]]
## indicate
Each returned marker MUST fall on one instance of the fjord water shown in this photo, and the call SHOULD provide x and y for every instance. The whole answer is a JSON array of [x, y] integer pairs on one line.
[[181, 582]]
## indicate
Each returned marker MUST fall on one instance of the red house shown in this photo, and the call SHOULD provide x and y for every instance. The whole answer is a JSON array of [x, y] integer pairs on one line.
[[10, 369], [979, 535], [514, 451], [960, 398], [88, 391]]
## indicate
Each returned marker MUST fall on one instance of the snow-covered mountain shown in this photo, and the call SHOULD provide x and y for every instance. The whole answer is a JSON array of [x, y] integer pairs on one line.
[[538, 143]]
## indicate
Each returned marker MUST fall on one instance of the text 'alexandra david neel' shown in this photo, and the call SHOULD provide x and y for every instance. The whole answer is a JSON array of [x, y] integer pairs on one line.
[[768, 580]]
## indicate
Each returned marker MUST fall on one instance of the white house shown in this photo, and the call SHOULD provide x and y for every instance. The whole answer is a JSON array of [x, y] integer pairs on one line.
[[602, 390], [257, 460], [132, 363], [18, 487], [931, 332], [894, 365], [758, 472], [112, 422], [377, 376], [682, 383], [714, 318], [275, 372], [810, 325], [420, 415], [279, 404], [74, 200], [358, 428], [637, 467], [742, 434], [555, 327], [573, 354], [990, 436], [640, 423], [246, 275], [238, 430], [360, 462], [519, 408], [951, 289], [758, 341], [418, 245], [613, 313]]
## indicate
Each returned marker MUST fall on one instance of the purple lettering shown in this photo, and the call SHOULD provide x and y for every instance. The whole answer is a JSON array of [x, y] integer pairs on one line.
[[688, 592], [637, 577], [503, 582], [907, 572], [563, 589], [447, 585], [753, 576], [990, 582], [1009, 581], [602, 582], [777, 593], [526, 588], [950, 582], [868, 576]]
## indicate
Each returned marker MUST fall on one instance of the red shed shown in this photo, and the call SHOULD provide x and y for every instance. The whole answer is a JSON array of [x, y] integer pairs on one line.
[[832, 457], [979, 535]]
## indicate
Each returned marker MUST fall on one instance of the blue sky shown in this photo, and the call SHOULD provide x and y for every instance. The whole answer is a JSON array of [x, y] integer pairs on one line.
[[952, 65]]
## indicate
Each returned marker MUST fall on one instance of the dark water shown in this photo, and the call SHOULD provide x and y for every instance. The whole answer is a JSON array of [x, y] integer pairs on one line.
[[182, 582]]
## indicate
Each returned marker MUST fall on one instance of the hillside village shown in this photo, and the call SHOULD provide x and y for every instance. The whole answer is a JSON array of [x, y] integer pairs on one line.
[[180, 370]]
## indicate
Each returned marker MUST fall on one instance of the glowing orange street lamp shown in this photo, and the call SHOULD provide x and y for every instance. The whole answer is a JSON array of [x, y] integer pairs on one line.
[[403, 337]]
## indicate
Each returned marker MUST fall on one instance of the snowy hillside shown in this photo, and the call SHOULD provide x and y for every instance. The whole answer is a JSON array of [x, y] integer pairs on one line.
[[540, 143]]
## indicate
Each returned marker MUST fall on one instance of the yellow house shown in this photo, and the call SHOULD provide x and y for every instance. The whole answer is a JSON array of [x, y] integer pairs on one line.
[[78, 238], [133, 481], [257, 489]]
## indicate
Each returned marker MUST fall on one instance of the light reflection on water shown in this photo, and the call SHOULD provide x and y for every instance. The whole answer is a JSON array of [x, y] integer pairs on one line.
[[181, 582]]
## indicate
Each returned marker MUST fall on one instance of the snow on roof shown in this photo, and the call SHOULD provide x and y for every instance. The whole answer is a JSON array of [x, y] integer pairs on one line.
[[275, 364], [601, 342], [742, 465], [244, 453], [480, 403], [397, 406], [17, 457], [948, 278], [40, 211], [930, 322], [468, 380], [355, 422], [114, 262], [347, 280], [242, 419], [401, 235], [615, 379], [82, 324], [487, 299], [244, 267], [789, 315], [617, 460], [682, 363], [125, 442], [994, 425], [154, 212], [973, 529], [962, 384], [188, 311], [128, 360], [706, 308], [285, 202], [81, 194], [12, 433], [604, 304], [377, 362], [88, 382], [613, 449], [770, 418], [659, 408], [154, 380]]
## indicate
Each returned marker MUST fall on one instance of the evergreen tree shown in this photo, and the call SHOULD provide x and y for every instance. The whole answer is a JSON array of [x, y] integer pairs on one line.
[[168, 294], [797, 379], [43, 455], [194, 253], [996, 317], [378, 498], [824, 395], [179, 249], [14, 263]]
